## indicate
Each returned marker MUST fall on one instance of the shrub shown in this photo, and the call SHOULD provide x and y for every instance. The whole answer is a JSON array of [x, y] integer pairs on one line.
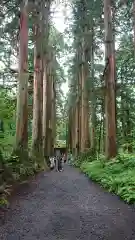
[[117, 175], [88, 156], [12, 170]]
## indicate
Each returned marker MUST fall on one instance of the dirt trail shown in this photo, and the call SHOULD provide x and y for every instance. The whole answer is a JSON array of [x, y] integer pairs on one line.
[[67, 206]]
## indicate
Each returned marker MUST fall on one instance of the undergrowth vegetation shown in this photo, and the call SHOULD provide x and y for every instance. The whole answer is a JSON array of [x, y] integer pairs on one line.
[[116, 175], [13, 170]]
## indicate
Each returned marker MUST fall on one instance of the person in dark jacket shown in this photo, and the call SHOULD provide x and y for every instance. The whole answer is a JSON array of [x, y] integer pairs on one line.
[[58, 160], [60, 164]]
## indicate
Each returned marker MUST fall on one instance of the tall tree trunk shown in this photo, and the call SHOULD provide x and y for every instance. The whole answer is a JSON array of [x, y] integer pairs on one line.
[[48, 146], [80, 108], [129, 130], [37, 95], [85, 109], [76, 129], [110, 98], [53, 115], [22, 108], [52, 111], [77, 122], [82, 112], [44, 102], [72, 126], [93, 96], [78, 111], [126, 123], [69, 130], [85, 138], [46, 12]]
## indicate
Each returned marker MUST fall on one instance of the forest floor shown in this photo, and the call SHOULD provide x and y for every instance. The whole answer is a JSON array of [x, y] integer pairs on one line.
[[66, 206]]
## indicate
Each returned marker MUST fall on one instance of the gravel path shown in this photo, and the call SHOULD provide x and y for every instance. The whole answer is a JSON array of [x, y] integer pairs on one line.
[[67, 206]]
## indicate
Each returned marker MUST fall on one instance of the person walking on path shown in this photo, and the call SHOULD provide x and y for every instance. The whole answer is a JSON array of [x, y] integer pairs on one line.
[[64, 158], [52, 163], [60, 164], [58, 160]]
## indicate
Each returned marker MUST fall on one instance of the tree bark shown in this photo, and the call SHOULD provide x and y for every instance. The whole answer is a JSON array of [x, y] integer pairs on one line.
[[49, 106], [37, 94], [45, 22], [44, 103], [22, 105], [93, 96], [110, 98], [85, 137]]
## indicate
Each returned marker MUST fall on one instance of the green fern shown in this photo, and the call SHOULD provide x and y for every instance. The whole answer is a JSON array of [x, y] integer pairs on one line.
[[117, 175]]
